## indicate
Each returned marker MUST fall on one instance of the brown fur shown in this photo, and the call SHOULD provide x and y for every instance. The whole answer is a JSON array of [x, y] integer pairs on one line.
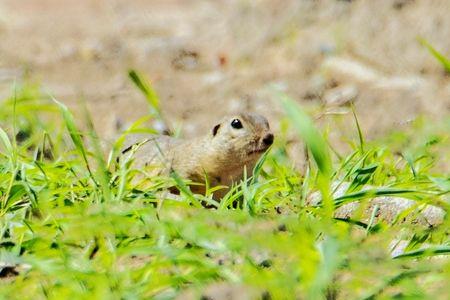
[[221, 155]]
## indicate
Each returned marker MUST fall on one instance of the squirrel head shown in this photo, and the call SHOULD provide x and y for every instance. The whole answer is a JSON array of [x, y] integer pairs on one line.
[[241, 138]]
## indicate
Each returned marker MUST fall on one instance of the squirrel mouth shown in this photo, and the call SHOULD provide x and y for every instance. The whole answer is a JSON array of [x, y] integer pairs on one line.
[[258, 151]]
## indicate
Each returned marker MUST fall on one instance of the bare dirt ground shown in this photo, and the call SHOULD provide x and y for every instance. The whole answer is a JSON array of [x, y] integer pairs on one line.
[[209, 58]]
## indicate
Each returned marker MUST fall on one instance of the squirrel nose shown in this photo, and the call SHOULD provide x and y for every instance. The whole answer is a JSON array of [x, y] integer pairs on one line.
[[268, 139]]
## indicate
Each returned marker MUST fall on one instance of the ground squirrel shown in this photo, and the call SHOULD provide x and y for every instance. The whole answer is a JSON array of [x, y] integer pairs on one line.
[[219, 156]]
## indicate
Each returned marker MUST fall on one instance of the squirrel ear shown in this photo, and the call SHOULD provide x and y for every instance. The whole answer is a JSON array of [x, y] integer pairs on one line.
[[215, 129]]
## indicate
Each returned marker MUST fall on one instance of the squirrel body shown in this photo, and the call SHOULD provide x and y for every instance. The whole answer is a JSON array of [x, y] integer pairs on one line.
[[219, 157]]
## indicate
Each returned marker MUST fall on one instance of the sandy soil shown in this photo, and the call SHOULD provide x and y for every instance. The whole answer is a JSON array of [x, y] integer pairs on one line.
[[210, 58]]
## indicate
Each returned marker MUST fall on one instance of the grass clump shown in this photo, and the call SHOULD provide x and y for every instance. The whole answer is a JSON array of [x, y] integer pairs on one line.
[[72, 226]]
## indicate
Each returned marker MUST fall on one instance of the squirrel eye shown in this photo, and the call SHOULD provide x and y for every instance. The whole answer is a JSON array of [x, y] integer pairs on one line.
[[236, 124]]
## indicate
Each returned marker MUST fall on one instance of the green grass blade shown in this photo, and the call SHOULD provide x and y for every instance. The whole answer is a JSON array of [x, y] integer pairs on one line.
[[371, 193], [184, 189], [149, 93], [312, 137], [74, 134], [6, 142], [102, 173], [430, 251], [360, 135], [394, 281], [152, 99], [445, 62], [316, 145]]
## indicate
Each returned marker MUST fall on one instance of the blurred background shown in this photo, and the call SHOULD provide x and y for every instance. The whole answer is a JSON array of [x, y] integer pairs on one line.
[[206, 59]]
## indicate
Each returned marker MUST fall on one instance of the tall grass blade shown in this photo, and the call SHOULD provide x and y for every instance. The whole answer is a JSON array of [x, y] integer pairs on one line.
[[431, 251], [152, 99], [74, 134], [102, 169], [371, 193], [316, 145], [312, 137], [6, 142], [184, 189], [445, 62], [395, 280], [149, 93], [360, 135]]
